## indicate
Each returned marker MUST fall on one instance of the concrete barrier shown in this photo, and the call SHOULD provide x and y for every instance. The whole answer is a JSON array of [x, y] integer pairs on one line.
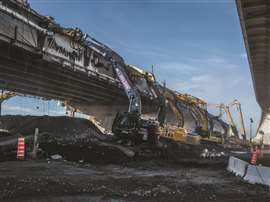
[[250, 173], [258, 174], [237, 166]]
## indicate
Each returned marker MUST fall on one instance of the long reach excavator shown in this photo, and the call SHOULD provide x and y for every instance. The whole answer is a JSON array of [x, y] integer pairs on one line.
[[128, 126]]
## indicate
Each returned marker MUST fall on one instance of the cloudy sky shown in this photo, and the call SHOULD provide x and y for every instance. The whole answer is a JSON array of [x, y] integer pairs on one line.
[[196, 46]]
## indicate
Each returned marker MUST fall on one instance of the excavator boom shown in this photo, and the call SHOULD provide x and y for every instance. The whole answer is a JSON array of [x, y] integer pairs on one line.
[[242, 130]]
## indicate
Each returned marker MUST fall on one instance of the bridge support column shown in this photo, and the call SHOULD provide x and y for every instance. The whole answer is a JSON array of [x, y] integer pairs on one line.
[[263, 133]]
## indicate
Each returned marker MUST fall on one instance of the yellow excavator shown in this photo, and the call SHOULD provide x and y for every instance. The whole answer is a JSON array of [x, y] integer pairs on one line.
[[242, 131], [140, 73], [204, 129], [198, 109], [226, 109], [174, 131]]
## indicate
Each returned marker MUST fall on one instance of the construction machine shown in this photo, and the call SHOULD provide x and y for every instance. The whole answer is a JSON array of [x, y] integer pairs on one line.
[[204, 131], [204, 122], [198, 110], [242, 131], [173, 131], [129, 127], [226, 109]]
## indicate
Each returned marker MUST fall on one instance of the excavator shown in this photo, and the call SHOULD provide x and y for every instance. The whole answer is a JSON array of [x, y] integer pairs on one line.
[[173, 131], [204, 131], [128, 127], [242, 131], [131, 125], [226, 109]]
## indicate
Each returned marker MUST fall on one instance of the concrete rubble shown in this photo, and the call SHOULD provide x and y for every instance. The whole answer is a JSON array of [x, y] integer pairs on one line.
[[78, 139]]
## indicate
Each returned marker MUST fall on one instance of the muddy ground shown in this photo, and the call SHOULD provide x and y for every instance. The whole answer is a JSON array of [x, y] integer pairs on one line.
[[92, 171], [145, 181]]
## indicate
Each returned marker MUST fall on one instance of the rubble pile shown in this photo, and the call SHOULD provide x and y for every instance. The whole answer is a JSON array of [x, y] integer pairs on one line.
[[63, 128], [77, 139], [73, 138]]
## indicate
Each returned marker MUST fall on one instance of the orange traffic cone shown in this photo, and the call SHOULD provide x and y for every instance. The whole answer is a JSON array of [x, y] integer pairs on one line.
[[21, 148], [254, 158]]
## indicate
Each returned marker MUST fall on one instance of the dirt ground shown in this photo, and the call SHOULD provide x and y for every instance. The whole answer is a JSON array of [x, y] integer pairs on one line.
[[33, 181], [176, 174]]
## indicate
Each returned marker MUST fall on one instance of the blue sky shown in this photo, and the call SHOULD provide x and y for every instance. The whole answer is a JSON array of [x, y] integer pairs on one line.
[[196, 46]]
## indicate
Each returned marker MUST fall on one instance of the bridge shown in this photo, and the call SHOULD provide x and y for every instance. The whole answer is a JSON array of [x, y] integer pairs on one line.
[[34, 61], [254, 17], [39, 57]]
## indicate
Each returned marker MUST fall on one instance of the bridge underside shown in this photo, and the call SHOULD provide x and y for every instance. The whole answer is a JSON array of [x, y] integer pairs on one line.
[[255, 17], [28, 73]]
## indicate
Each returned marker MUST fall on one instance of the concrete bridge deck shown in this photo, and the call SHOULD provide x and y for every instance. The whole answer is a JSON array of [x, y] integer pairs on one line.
[[255, 17], [25, 72]]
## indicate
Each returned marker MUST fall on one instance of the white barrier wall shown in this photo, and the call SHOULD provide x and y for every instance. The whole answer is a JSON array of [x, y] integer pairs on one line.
[[251, 173], [258, 175], [237, 166]]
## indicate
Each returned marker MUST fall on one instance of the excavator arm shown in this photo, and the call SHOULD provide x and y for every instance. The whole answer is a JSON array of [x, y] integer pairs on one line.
[[171, 99], [226, 109], [198, 109], [127, 126], [242, 130], [131, 91]]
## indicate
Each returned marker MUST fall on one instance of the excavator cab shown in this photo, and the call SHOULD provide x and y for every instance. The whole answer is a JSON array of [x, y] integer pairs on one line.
[[125, 124], [130, 127]]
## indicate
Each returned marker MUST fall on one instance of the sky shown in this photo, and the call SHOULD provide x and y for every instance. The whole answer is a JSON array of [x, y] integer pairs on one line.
[[196, 46]]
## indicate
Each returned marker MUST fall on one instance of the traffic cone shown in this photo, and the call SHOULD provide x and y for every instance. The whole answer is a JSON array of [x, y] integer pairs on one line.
[[21, 148]]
